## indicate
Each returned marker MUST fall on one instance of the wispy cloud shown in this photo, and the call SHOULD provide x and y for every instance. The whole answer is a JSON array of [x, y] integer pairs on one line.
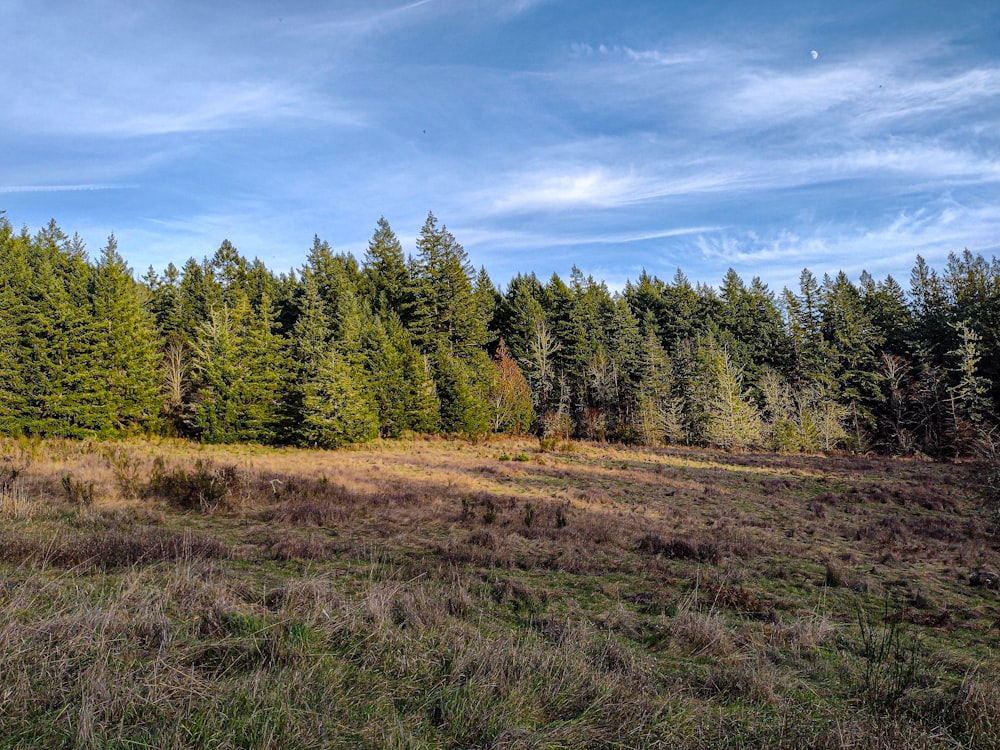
[[183, 107], [887, 247], [59, 188], [349, 24]]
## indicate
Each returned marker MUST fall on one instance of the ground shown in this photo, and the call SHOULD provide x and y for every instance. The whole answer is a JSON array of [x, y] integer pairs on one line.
[[442, 593]]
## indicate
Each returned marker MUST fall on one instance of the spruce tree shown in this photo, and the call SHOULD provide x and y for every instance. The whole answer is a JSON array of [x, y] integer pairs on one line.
[[335, 410], [13, 276], [386, 279], [59, 340], [127, 355], [446, 311], [657, 413], [733, 419], [463, 389]]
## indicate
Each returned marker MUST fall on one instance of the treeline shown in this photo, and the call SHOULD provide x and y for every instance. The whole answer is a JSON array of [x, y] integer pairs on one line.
[[341, 351]]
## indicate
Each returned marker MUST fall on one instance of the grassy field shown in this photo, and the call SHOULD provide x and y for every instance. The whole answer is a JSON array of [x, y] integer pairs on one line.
[[431, 593]]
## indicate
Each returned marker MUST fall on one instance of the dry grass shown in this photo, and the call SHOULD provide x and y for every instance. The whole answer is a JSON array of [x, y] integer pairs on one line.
[[397, 595]]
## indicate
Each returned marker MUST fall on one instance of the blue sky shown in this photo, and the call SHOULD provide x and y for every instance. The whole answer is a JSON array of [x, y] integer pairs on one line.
[[543, 133]]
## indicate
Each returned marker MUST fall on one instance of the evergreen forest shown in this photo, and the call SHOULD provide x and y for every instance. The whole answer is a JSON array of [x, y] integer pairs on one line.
[[342, 350]]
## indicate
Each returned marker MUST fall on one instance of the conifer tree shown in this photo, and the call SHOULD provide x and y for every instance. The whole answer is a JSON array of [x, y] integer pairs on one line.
[[446, 311], [422, 405], [335, 410], [200, 295], [13, 276], [164, 302], [127, 353], [463, 389], [309, 342], [387, 283], [58, 340], [658, 410], [238, 367], [733, 419]]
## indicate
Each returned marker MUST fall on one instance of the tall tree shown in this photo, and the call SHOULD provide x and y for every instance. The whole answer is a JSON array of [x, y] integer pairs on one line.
[[387, 283], [14, 274], [658, 410], [446, 310], [127, 352], [733, 419]]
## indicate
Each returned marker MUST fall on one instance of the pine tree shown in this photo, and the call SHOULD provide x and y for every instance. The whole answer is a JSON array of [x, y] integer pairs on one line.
[[386, 280], [463, 389], [309, 343], [200, 295], [398, 378], [229, 269], [13, 276], [422, 405], [852, 343], [58, 340], [127, 355], [446, 310], [238, 372], [657, 414], [335, 411], [733, 419], [217, 365]]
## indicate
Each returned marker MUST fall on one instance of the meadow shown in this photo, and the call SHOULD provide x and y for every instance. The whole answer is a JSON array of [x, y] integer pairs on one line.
[[426, 593]]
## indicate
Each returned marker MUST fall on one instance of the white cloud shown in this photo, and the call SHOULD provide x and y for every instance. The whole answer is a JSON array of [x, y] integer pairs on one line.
[[59, 188], [882, 248]]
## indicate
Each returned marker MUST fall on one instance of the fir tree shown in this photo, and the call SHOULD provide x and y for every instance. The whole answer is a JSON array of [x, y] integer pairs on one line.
[[335, 411], [658, 410], [463, 390], [446, 310], [127, 354], [733, 419], [386, 280]]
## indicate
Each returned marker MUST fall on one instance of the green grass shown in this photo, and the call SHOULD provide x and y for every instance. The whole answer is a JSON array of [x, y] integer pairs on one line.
[[360, 599]]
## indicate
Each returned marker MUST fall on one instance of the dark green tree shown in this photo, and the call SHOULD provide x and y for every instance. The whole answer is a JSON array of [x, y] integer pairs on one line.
[[128, 347], [447, 313], [386, 280]]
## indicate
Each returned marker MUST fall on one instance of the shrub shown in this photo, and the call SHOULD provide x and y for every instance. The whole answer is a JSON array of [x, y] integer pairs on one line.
[[679, 549], [78, 492], [889, 665], [204, 489]]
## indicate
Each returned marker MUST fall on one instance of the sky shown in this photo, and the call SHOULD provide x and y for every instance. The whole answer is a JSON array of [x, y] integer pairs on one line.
[[617, 137]]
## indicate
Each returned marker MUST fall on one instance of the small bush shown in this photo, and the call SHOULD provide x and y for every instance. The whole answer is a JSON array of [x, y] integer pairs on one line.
[[529, 514], [78, 492], [679, 549], [205, 488], [547, 444], [889, 665], [128, 471]]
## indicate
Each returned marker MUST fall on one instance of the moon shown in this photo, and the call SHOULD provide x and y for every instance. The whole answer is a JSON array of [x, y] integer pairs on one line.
[[815, 54]]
